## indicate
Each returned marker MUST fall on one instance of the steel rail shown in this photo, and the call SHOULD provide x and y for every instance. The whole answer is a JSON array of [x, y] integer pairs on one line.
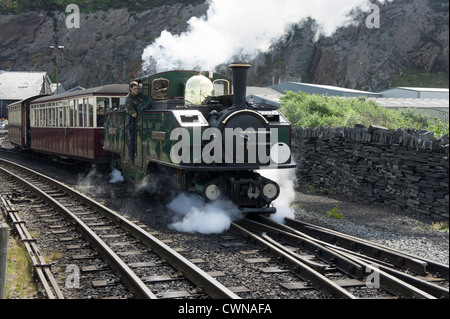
[[387, 279], [400, 259], [302, 270], [193, 273], [428, 287], [391, 283], [41, 268], [131, 280], [342, 263]]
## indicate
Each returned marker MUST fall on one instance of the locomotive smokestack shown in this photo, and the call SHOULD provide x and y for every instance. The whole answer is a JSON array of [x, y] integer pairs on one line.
[[240, 71]]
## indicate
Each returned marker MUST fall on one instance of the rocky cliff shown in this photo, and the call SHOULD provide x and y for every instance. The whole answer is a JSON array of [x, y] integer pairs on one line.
[[107, 48], [413, 35]]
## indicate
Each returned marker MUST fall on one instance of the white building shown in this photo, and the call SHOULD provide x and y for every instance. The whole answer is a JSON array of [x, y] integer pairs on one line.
[[16, 86]]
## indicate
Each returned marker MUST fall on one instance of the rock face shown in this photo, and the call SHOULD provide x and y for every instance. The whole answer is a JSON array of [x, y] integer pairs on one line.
[[413, 34], [107, 48]]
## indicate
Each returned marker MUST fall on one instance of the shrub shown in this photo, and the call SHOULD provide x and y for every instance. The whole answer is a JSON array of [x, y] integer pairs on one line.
[[312, 110]]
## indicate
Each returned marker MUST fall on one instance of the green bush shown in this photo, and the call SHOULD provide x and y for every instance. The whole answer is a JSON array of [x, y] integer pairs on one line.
[[312, 110]]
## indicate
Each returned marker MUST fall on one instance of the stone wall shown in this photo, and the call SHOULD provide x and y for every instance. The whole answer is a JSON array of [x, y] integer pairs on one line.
[[404, 168]]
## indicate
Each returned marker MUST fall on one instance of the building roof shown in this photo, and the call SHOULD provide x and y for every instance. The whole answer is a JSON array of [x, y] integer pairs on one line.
[[263, 95], [15, 85], [418, 89], [414, 103], [321, 89], [414, 92]]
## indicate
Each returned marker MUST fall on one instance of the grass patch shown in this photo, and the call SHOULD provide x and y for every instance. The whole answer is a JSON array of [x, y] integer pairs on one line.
[[417, 78], [440, 226], [20, 283], [335, 213]]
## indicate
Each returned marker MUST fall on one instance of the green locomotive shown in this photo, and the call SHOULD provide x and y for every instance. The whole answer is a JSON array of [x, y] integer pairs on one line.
[[195, 135]]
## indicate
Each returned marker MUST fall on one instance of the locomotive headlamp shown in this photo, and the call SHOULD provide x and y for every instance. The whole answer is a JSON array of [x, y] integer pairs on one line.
[[280, 153], [271, 191], [253, 192], [212, 191], [209, 189]]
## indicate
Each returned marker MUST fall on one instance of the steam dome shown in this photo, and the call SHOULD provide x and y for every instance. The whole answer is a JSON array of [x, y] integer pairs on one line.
[[198, 88]]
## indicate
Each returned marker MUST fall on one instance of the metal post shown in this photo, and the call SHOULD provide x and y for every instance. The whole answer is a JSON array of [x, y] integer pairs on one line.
[[4, 235], [59, 49]]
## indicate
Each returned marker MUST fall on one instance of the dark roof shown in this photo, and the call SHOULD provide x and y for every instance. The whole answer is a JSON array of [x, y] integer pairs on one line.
[[111, 89]]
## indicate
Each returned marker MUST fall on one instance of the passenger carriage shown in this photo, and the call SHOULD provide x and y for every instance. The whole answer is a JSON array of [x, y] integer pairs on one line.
[[70, 125], [19, 122]]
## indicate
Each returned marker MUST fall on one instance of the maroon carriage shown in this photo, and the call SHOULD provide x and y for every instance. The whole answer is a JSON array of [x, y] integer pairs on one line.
[[19, 122], [70, 125]]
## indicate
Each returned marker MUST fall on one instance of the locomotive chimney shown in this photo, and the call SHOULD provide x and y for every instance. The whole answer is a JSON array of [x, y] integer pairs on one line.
[[240, 71]]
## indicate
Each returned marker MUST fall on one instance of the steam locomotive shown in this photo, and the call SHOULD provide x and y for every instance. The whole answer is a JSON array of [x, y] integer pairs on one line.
[[195, 135]]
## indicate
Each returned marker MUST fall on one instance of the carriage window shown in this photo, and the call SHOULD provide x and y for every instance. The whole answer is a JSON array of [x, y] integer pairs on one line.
[[71, 108], [160, 89], [122, 103], [51, 122], [116, 104], [65, 113], [90, 112], [221, 87], [103, 104], [60, 115], [80, 113]]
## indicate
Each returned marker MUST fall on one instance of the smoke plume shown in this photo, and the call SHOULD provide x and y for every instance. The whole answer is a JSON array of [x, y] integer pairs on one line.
[[194, 215], [233, 28], [285, 179], [116, 176]]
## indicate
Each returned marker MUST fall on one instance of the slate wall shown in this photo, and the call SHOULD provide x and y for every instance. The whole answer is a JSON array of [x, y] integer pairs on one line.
[[404, 168]]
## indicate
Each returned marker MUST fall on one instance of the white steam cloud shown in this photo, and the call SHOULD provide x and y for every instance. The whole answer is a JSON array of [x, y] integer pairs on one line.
[[285, 179], [244, 28], [115, 176], [194, 215]]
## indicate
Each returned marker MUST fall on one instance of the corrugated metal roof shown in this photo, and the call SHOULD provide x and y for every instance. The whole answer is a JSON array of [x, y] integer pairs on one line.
[[417, 89], [402, 103], [321, 89], [263, 95], [15, 85]]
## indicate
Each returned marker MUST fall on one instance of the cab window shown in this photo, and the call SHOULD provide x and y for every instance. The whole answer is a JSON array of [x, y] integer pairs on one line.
[[160, 89]]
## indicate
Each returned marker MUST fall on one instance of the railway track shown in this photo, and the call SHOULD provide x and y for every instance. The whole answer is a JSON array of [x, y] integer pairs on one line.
[[343, 266], [306, 257], [126, 247]]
